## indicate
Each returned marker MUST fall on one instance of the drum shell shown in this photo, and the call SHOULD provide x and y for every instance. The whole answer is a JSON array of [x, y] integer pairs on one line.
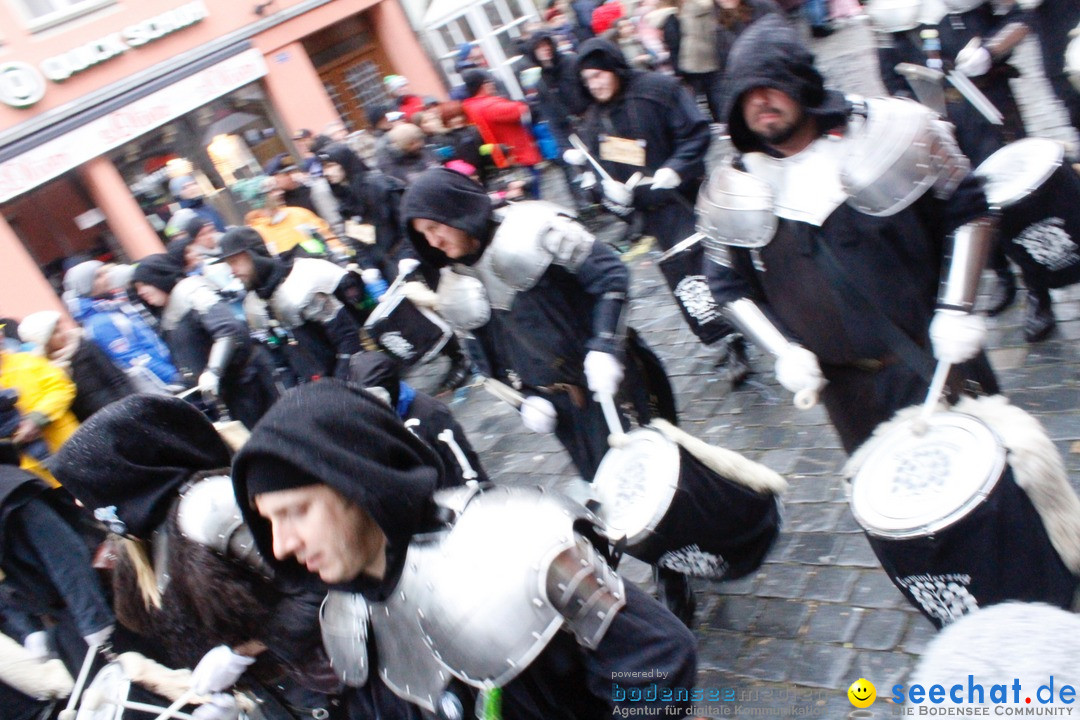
[[408, 333], [1041, 232], [683, 268], [998, 551], [718, 516]]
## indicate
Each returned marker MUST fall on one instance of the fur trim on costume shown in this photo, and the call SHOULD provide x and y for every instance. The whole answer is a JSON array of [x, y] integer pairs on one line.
[[727, 463], [41, 679], [1035, 461]]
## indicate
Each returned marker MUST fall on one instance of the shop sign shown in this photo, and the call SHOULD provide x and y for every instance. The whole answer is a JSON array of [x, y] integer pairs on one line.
[[60, 67], [21, 85], [55, 157]]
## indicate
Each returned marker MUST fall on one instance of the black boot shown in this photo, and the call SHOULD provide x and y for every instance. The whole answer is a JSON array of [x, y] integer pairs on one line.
[[734, 359], [460, 367], [1039, 321], [1003, 293], [674, 592]]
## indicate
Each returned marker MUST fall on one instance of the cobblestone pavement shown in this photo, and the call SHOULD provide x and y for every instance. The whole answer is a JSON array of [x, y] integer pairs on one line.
[[819, 613]]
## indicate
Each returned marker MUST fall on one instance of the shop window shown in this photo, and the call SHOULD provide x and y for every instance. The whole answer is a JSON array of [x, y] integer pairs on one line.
[[41, 14]]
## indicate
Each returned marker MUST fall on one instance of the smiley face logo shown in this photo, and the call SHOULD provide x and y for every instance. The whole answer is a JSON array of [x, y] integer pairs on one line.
[[862, 693]]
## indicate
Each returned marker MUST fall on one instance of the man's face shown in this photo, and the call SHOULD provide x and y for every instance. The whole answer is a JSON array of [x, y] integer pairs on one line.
[[453, 242], [152, 296], [602, 84], [206, 237], [543, 52], [334, 173], [243, 268], [325, 532], [772, 115], [191, 191]]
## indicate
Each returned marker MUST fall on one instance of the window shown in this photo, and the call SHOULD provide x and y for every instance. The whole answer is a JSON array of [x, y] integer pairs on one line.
[[41, 14]]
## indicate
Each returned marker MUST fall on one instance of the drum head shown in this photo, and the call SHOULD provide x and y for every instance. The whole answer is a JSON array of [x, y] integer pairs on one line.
[[1019, 169], [914, 485], [635, 484], [102, 697]]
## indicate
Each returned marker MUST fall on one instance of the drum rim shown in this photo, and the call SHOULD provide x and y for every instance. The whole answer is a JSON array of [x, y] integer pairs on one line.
[[1024, 146], [671, 488], [996, 470]]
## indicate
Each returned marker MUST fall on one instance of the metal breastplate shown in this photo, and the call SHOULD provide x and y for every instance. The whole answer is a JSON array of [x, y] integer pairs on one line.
[[477, 609], [895, 152], [806, 187]]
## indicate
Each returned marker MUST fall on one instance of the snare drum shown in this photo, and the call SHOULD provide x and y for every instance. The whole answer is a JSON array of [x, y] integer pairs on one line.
[[678, 514], [1039, 196], [410, 333], [948, 522], [682, 268]]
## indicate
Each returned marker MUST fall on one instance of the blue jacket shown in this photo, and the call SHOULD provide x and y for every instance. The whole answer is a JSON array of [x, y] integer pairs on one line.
[[124, 335]]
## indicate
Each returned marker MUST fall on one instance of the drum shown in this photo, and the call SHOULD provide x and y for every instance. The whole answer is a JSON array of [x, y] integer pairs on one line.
[[682, 268], [1039, 196], [667, 508], [410, 333], [952, 528]]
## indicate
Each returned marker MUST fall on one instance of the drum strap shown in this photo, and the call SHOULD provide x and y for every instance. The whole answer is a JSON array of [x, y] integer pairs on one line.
[[908, 351]]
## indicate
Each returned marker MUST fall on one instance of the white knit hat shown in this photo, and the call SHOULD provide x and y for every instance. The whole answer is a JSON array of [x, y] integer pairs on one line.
[[37, 328]]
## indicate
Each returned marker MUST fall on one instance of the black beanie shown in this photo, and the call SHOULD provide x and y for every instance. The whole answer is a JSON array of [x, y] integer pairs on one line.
[[161, 271], [335, 434], [474, 79], [194, 225], [135, 454]]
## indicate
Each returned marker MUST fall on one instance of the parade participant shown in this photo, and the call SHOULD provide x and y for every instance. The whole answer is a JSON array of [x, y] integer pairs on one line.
[[208, 342], [353, 505], [835, 293], [647, 123], [428, 418], [1055, 21], [188, 577], [303, 291]]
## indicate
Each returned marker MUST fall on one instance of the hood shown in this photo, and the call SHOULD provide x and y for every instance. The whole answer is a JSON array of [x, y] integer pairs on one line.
[[344, 156], [135, 454], [377, 369], [770, 54], [452, 199], [161, 271], [539, 37], [79, 280], [604, 55], [333, 433]]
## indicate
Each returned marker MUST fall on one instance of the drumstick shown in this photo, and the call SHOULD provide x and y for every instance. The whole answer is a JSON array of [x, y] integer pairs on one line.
[[941, 374], [805, 399], [68, 713], [171, 711], [611, 415], [93, 700], [579, 145], [504, 392]]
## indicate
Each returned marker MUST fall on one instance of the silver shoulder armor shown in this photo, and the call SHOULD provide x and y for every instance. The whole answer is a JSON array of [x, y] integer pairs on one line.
[[463, 300], [208, 514], [192, 293], [491, 607], [890, 16], [897, 151], [308, 292], [532, 236], [343, 620], [1072, 62], [735, 209]]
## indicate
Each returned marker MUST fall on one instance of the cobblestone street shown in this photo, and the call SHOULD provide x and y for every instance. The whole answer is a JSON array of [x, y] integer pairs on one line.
[[819, 613]]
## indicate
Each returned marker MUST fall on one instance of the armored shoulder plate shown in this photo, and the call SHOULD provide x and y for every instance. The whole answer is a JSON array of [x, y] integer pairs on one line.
[[308, 292], [208, 514], [192, 293], [735, 209], [532, 236], [463, 300], [897, 150], [890, 16], [343, 620]]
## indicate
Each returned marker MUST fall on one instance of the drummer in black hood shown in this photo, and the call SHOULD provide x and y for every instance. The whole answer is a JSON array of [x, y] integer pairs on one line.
[[333, 482], [839, 295]]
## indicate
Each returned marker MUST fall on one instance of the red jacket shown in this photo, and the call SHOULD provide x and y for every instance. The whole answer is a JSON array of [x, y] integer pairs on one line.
[[500, 121], [605, 16]]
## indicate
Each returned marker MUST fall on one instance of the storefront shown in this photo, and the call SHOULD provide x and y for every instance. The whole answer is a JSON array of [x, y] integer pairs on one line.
[[88, 174]]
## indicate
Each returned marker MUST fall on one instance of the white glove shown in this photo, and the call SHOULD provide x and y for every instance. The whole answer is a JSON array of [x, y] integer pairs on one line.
[[222, 706], [573, 156], [603, 372], [218, 670], [209, 384], [407, 265], [538, 415], [797, 370], [588, 180], [957, 336], [617, 193], [973, 62], [100, 637], [37, 645], [665, 179], [420, 294]]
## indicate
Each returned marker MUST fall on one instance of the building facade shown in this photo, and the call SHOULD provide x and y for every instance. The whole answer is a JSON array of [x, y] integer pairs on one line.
[[103, 102]]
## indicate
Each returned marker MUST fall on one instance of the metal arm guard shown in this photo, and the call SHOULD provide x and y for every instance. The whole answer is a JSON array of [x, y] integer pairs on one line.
[[208, 514], [965, 257], [1005, 40], [609, 321], [748, 318], [221, 353]]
